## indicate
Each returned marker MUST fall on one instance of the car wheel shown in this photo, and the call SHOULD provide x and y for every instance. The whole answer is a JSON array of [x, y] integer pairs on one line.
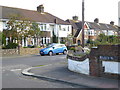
[[65, 52], [57, 53], [50, 53], [41, 55]]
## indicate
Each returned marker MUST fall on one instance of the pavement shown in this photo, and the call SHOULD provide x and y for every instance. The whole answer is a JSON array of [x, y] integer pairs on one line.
[[59, 73]]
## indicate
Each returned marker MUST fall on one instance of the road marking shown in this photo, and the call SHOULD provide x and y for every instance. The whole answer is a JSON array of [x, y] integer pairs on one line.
[[15, 69]]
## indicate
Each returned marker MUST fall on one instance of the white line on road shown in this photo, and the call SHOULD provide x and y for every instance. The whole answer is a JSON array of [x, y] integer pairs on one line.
[[15, 69]]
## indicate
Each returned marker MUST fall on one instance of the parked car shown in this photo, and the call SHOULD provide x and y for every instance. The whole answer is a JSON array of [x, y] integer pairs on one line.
[[54, 48]]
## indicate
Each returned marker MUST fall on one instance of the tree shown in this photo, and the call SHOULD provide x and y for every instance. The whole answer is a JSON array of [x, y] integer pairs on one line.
[[18, 27], [1, 38], [104, 40], [54, 38], [69, 39], [37, 32]]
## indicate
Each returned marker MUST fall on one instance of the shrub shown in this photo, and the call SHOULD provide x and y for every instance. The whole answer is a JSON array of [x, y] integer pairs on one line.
[[31, 46], [3, 47], [25, 47], [72, 48], [38, 46], [11, 46]]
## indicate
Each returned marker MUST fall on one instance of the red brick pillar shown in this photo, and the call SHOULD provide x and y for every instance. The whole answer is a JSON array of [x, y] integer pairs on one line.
[[94, 66]]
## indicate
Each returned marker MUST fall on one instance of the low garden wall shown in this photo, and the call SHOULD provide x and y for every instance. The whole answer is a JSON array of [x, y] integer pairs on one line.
[[103, 61], [7, 52], [78, 64], [27, 51], [20, 51]]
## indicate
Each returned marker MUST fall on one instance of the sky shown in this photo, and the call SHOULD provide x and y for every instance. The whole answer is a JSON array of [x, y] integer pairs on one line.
[[105, 10]]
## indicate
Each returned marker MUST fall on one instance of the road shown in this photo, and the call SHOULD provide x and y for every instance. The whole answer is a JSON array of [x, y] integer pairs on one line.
[[12, 67]]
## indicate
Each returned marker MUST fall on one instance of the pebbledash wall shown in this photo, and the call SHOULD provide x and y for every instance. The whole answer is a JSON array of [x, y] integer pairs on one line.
[[78, 64], [20, 51], [103, 61]]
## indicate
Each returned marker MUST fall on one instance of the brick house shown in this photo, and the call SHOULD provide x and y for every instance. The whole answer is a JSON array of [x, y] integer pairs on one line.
[[75, 28], [47, 22]]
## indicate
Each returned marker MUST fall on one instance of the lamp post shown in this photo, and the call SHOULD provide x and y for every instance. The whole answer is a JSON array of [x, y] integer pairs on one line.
[[83, 23]]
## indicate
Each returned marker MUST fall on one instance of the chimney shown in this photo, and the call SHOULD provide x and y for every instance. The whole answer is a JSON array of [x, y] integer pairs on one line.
[[112, 22], [40, 8], [75, 18], [96, 20], [55, 21]]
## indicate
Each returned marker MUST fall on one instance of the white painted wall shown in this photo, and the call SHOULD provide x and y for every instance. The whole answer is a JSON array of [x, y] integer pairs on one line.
[[64, 32], [111, 32], [111, 67], [105, 32], [79, 66]]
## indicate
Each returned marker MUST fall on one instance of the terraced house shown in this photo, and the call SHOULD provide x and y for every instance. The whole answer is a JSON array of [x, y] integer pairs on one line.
[[91, 29], [48, 24]]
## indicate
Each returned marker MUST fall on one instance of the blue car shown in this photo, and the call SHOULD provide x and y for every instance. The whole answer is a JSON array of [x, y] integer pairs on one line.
[[54, 49]]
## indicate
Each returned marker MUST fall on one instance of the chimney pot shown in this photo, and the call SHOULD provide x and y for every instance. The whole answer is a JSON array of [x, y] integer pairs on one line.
[[75, 18], [96, 20], [40, 8], [112, 22]]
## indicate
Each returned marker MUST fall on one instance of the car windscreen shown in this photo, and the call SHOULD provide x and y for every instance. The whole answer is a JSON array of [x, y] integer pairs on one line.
[[51, 45]]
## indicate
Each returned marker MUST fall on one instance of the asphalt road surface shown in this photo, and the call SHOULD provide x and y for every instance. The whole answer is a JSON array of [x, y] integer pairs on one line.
[[12, 67]]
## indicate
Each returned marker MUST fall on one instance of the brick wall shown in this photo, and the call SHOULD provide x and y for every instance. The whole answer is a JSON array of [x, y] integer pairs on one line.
[[109, 53]]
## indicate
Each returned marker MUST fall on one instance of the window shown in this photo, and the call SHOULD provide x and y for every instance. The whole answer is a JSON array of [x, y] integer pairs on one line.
[[85, 32], [48, 41], [45, 40], [95, 33], [68, 28], [45, 26], [64, 29], [91, 32], [60, 27], [41, 25], [99, 33], [42, 40]]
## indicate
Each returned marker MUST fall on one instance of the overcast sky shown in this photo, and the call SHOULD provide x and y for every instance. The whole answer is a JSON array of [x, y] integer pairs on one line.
[[105, 10]]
